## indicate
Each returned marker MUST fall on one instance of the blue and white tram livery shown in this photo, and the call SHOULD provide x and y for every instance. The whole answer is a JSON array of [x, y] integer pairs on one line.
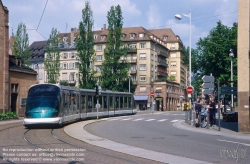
[[49, 104]]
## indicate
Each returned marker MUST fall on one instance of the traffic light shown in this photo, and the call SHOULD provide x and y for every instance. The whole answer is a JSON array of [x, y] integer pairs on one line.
[[96, 90]]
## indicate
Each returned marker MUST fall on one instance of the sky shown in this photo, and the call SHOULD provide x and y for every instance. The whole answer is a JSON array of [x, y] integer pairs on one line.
[[40, 16]]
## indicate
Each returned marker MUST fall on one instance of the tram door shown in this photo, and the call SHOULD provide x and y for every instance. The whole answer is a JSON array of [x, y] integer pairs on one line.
[[159, 103]]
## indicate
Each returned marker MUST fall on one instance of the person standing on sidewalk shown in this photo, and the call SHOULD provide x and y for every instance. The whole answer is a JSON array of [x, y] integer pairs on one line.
[[212, 111], [197, 108]]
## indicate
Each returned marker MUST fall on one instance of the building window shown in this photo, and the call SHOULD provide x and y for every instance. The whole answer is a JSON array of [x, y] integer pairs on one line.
[[173, 55], [65, 65], [143, 78], [73, 55], [23, 101], [95, 36], [142, 45], [72, 76], [65, 55], [40, 75], [132, 36], [142, 56], [133, 77], [142, 67], [173, 73], [71, 65], [64, 76], [173, 64], [143, 89], [99, 48], [133, 67], [103, 37], [172, 46], [141, 35], [98, 68], [165, 38], [14, 88], [98, 57], [65, 39]]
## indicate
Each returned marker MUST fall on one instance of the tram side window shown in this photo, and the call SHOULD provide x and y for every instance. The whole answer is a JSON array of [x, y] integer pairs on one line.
[[100, 102], [77, 103], [90, 101], [121, 102], [83, 103], [125, 102], [116, 102], [104, 102], [129, 102], [111, 104]]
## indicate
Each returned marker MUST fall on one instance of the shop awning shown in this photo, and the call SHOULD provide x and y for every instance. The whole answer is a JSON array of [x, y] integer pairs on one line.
[[140, 97]]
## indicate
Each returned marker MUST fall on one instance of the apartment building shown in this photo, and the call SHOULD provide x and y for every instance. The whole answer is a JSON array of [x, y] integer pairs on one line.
[[148, 56]]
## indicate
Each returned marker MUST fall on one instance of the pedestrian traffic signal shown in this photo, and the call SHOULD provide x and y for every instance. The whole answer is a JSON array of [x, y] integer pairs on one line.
[[96, 90]]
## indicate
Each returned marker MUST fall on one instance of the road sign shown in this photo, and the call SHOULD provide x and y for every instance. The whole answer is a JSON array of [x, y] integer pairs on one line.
[[189, 89], [207, 91], [97, 105], [208, 85], [208, 79], [228, 90], [152, 94]]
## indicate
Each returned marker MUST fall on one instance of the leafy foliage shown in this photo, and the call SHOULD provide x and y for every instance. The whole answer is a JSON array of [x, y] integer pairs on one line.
[[85, 49], [212, 54], [8, 115], [21, 44], [115, 69], [52, 59]]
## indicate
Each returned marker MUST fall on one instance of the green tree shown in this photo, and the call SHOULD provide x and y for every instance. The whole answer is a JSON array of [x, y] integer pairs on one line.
[[51, 61], [21, 44], [172, 78], [85, 49], [114, 68], [212, 55]]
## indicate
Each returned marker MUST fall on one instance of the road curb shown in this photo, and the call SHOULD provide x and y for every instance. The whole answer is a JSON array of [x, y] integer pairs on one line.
[[77, 131]]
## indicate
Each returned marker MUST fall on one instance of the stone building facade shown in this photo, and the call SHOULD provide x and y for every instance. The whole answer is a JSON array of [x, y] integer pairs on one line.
[[243, 66], [4, 58]]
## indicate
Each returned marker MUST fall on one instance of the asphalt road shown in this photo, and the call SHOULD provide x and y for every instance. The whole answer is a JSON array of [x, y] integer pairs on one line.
[[156, 132]]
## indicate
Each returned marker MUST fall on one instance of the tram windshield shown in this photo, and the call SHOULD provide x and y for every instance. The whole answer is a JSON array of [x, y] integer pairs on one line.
[[43, 101]]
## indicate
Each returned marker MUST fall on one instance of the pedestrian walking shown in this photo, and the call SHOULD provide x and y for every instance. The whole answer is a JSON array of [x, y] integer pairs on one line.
[[197, 108], [212, 111]]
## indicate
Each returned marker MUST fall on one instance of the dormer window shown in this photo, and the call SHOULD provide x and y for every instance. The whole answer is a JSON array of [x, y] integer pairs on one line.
[[123, 36], [132, 36], [165, 38], [65, 39], [141, 35], [103, 37], [95, 36]]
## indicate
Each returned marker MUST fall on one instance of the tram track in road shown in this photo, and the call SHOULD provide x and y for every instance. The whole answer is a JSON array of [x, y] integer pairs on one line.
[[57, 139]]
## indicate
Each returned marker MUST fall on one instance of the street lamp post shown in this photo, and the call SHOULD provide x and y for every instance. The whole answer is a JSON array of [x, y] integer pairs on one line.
[[231, 55], [178, 16], [129, 80]]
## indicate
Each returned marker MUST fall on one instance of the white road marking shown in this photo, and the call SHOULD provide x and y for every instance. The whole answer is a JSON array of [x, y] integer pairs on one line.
[[138, 119], [126, 119], [113, 119], [234, 142], [162, 120], [157, 113], [150, 120], [174, 120]]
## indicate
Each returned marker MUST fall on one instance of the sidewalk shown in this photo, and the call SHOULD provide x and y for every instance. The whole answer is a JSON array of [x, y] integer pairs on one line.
[[225, 132]]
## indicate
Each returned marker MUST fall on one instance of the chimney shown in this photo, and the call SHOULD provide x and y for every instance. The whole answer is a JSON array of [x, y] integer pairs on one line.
[[104, 26]]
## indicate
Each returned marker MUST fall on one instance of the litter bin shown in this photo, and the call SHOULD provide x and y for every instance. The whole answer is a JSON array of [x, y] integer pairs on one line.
[[185, 107]]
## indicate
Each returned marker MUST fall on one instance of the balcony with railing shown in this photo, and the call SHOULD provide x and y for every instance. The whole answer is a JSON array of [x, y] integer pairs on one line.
[[161, 53], [131, 60], [162, 73], [162, 63]]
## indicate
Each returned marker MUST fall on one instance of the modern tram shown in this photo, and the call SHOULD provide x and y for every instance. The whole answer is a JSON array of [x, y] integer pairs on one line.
[[50, 104]]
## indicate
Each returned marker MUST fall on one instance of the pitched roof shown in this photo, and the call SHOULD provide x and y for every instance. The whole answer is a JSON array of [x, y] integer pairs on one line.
[[171, 37], [37, 50], [13, 66]]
